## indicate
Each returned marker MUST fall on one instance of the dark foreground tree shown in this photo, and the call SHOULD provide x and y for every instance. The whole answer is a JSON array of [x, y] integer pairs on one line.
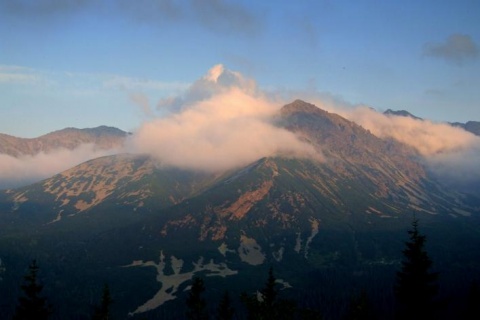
[[473, 303], [360, 308], [196, 305], [32, 305], [225, 310], [102, 311], [416, 285], [267, 306]]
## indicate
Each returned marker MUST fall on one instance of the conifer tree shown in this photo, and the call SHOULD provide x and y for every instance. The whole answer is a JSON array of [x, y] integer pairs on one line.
[[416, 286], [360, 308], [269, 306], [473, 303], [269, 292], [195, 303], [102, 311], [31, 305], [225, 310]]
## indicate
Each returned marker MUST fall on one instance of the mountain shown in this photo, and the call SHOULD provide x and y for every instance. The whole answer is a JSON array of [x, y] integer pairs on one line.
[[401, 113], [470, 126], [69, 138], [326, 227]]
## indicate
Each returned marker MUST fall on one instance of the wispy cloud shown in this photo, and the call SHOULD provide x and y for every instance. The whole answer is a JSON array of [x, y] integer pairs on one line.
[[77, 81], [221, 122], [226, 16], [450, 152], [134, 84], [457, 49], [44, 7], [218, 80], [18, 75], [15, 172], [217, 16], [143, 103]]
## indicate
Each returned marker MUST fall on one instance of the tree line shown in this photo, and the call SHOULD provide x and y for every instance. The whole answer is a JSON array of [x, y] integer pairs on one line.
[[415, 291]]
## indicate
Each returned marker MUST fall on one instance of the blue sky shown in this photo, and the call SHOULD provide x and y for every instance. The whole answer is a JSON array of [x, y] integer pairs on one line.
[[85, 63]]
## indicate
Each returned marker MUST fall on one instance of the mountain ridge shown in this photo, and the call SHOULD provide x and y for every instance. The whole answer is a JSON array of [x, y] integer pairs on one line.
[[469, 126], [104, 137]]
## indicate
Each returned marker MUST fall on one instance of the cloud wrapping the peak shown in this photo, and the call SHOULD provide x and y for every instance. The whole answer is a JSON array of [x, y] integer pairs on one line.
[[457, 49], [217, 80], [221, 122]]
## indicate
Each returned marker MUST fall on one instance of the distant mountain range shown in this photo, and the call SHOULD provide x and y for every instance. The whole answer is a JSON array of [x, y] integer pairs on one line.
[[327, 227], [69, 138], [470, 126], [401, 113]]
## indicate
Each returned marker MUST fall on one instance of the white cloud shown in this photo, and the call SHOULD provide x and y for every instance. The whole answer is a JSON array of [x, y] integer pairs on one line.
[[27, 169], [18, 75], [135, 84], [218, 80], [17, 78], [221, 122], [450, 152]]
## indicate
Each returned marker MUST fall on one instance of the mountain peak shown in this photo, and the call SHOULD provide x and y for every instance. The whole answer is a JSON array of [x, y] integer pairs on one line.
[[300, 106], [470, 126], [103, 137], [401, 113], [96, 131]]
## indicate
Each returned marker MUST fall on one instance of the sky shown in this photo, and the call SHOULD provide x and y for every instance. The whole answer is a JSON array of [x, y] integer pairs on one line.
[[84, 63]]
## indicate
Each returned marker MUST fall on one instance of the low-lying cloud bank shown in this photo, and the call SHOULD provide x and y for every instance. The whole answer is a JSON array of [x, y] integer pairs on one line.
[[450, 152], [23, 170], [221, 122]]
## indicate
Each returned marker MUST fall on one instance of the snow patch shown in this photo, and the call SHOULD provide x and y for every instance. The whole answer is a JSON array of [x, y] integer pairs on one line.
[[223, 249], [462, 212], [171, 282], [298, 243], [314, 223], [250, 252], [18, 199], [278, 255], [283, 283], [57, 218]]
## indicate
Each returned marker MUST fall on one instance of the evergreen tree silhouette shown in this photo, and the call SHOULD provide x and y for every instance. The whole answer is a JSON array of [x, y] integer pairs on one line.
[[360, 308], [225, 310], [416, 287], [102, 311], [31, 305], [267, 306], [196, 305], [269, 292], [473, 303]]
